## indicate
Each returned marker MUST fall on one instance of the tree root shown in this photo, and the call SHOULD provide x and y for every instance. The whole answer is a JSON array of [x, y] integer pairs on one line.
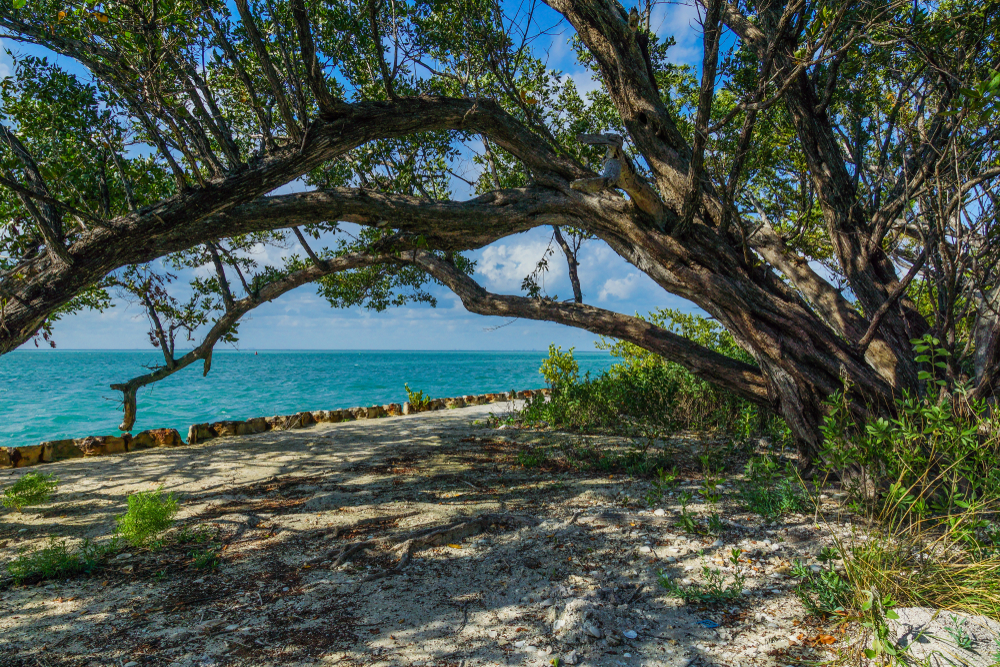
[[421, 539]]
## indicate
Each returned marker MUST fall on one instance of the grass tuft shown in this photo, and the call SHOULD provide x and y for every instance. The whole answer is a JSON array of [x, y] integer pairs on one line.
[[149, 514], [32, 489]]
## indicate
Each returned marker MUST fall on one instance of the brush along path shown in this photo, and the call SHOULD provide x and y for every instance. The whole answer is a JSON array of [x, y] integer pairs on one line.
[[419, 540]]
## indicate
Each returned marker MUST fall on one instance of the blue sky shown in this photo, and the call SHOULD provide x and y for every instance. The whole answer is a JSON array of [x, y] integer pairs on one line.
[[302, 320]]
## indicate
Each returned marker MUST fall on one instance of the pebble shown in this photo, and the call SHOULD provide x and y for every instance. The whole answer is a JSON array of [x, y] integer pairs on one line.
[[520, 644], [592, 630], [133, 663], [645, 550], [630, 634], [547, 602], [671, 559], [659, 512]]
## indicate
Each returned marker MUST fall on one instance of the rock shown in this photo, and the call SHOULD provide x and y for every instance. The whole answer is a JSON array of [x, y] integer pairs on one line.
[[257, 425], [630, 634], [5, 457], [718, 543], [303, 419], [924, 632], [375, 412], [26, 456], [320, 416], [358, 413], [226, 428], [572, 658], [132, 663], [103, 444], [592, 630], [336, 416], [199, 433], [659, 511], [408, 409], [645, 550], [58, 450], [158, 437], [393, 409]]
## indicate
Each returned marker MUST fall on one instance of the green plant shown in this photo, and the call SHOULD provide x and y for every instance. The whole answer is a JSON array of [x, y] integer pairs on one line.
[[822, 593], [713, 591], [770, 491], [205, 559], [532, 458], [560, 369], [996, 654], [417, 400], [958, 632], [686, 520], [149, 514], [188, 535], [32, 489], [715, 523], [56, 561]]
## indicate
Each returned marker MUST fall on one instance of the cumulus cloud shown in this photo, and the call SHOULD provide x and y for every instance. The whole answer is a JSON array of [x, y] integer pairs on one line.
[[618, 289], [6, 62], [680, 21], [505, 266]]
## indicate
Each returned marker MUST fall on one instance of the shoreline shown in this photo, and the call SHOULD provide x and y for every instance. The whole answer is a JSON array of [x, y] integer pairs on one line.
[[104, 445]]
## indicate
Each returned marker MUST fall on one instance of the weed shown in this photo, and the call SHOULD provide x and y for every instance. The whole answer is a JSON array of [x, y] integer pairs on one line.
[[686, 520], [713, 591], [957, 631], [417, 399], [771, 492], [207, 559], [32, 489], [188, 535], [56, 561], [533, 458], [996, 654], [822, 593], [149, 514], [715, 523]]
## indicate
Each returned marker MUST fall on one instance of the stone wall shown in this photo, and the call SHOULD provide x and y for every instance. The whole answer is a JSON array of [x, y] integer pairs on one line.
[[59, 450]]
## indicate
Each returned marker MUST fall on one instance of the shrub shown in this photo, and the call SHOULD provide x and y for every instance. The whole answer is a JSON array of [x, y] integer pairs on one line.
[[644, 390], [55, 561], [32, 489], [560, 369], [417, 399], [149, 514], [772, 491]]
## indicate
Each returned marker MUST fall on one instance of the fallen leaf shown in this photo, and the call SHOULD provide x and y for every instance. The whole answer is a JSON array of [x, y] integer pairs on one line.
[[827, 639], [455, 546]]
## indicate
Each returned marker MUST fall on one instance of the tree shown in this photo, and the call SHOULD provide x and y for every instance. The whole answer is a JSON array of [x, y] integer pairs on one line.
[[827, 193]]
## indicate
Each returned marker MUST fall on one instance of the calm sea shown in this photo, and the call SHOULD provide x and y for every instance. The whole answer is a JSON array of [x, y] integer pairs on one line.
[[53, 394]]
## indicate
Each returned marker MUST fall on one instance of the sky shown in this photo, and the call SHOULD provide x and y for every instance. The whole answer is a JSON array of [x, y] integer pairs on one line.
[[303, 320]]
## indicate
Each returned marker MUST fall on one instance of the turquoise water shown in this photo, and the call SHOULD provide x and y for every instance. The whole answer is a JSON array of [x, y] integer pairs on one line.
[[53, 394]]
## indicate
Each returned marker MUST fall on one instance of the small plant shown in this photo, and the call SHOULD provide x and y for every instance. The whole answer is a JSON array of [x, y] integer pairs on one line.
[[207, 559], [713, 591], [55, 561], [770, 491], [715, 523], [996, 654], [417, 400], [532, 458], [149, 514], [32, 489], [188, 535], [822, 593], [958, 632], [686, 520]]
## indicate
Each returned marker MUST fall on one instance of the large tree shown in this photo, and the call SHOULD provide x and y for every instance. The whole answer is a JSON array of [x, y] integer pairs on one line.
[[827, 191]]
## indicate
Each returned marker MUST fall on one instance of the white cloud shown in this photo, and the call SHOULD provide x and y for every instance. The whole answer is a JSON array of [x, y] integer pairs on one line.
[[680, 21], [505, 266], [618, 288], [6, 62]]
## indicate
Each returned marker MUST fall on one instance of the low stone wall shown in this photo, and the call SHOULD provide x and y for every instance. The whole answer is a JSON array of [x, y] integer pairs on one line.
[[59, 450]]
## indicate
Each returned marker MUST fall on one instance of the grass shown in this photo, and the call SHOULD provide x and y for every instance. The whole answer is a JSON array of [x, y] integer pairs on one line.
[[32, 489], [149, 514], [772, 491], [715, 590], [57, 561]]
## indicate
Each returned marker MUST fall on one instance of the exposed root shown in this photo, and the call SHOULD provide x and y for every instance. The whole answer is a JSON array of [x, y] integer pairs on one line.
[[424, 538]]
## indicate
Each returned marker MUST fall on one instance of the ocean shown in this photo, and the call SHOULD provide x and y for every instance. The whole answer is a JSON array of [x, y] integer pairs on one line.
[[55, 394]]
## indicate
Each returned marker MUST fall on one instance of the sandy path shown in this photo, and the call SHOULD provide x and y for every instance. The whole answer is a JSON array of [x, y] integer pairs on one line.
[[580, 584]]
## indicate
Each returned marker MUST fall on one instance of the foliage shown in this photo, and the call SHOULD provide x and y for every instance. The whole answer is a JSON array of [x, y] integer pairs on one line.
[[714, 590], [417, 399], [205, 559], [825, 592], [149, 514], [560, 369], [771, 490], [56, 561], [32, 489], [643, 389]]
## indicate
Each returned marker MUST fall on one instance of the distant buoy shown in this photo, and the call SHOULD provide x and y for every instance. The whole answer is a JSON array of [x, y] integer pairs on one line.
[[255, 354]]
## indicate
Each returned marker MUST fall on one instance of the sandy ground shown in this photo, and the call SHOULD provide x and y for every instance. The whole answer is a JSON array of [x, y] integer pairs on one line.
[[564, 569]]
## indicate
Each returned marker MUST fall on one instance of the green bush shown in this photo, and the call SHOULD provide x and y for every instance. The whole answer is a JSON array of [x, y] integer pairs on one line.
[[771, 491], [149, 514], [417, 399], [32, 489], [643, 389], [56, 561]]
